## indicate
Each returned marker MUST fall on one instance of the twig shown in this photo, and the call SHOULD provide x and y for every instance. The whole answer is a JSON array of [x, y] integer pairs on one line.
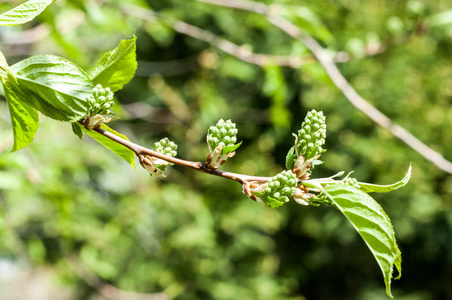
[[198, 166], [224, 45], [105, 289], [339, 80]]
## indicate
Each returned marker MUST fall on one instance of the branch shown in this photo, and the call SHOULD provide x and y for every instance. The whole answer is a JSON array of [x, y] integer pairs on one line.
[[226, 46], [339, 80], [198, 166]]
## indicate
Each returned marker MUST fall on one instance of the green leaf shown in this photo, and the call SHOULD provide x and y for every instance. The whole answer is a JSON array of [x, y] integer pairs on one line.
[[124, 152], [54, 86], [228, 149], [117, 67], [372, 223], [24, 12], [290, 159], [77, 130], [24, 119], [370, 188]]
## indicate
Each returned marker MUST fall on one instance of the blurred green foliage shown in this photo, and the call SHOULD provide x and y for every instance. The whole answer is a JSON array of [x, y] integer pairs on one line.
[[196, 237]]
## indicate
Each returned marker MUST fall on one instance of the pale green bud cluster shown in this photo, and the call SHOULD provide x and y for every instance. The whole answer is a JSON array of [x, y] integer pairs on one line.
[[351, 181], [100, 101], [311, 136], [166, 147], [279, 189], [222, 134]]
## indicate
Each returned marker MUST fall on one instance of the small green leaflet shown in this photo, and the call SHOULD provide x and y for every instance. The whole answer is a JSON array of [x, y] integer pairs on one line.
[[117, 67], [372, 223], [290, 158], [24, 119], [124, 152], [54, 86], [370, 188], [23, 13], [77, 130], [231, 148]]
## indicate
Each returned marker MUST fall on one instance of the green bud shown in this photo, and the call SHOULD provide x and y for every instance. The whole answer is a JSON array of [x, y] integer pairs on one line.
[[279, 190], [222, 134], [311, 136], [166, 147]]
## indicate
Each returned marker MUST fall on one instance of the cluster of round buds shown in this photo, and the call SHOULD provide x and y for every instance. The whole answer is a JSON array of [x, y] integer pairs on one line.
[[311, 136], [278, 190], [100, 101], [166, 147], [351, 181], [223, 134], [156, 166]]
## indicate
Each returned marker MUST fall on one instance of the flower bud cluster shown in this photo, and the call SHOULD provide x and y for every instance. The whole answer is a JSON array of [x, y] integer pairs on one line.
[[166, 147], [278, 190], [223, 134], [156, 166], [311, 136], [100, 101], [351, 181]]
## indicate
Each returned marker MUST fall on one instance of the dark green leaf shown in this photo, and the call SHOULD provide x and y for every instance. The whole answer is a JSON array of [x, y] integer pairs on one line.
[[124, 152], [231, 148], [24, 119], [369, 188], [24, 12], [54, 86], [290, 160], [372, 223], [117, 67], [77, 130]]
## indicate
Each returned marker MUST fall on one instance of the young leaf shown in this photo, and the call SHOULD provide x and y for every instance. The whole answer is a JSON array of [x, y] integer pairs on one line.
[[228, 149], [54, 86], [125, 153], [372, 223], [117, 67], [77, 130], [24, 119], [24, 12], [370, 188], [290, 158]]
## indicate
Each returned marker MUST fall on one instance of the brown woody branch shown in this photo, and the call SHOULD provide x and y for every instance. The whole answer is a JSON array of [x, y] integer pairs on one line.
[[198, 166]]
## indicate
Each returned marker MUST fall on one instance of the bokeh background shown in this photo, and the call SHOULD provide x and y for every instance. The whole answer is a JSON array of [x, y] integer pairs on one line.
[[77, 222]]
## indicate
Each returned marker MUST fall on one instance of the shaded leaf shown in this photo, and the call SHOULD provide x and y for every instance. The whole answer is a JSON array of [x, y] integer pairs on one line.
[[54, 86], [24, 119], [117, 67], [372, 224], [369, 188], [24, 13], [77, 130], [122, 151], [290, 158]]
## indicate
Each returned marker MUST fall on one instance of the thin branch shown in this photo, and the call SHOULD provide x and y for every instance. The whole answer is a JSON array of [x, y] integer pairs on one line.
[[198, 166], [339, 80], [224, 45]]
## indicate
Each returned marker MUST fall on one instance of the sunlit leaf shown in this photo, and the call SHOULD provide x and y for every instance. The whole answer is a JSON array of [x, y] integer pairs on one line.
[[369, 188], [117, 67], [122, 151], [24, 119], [228, 149], [372, 223], [24, 13], [54, 86]]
